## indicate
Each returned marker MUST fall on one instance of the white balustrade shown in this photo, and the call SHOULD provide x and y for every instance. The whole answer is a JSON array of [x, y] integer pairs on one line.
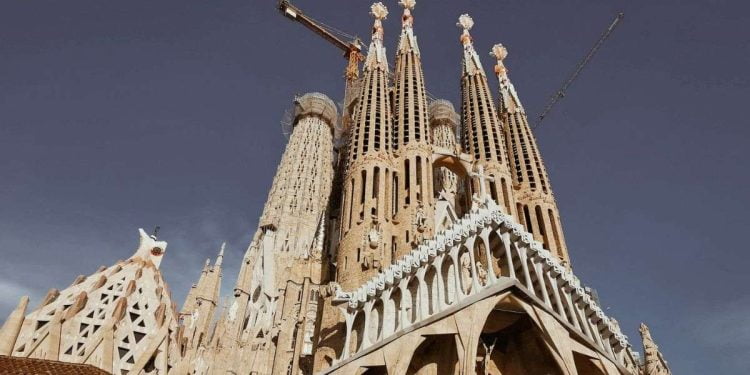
[[444, 271]]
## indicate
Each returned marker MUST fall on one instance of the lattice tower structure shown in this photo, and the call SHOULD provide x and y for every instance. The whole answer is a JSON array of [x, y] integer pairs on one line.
[[120, 319], [277, 285]]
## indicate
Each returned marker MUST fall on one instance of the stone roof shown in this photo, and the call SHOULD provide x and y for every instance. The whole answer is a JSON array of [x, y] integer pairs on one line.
[[33, 366]]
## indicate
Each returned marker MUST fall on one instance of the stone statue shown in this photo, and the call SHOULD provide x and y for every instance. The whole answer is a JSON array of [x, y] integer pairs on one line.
[[486, 358]]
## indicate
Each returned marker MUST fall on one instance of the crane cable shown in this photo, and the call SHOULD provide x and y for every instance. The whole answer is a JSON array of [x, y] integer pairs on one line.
[[561, 92]]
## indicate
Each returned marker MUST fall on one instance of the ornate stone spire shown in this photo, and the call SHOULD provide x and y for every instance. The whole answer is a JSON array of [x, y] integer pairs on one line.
[[471, 63], [365, 199], [411, 137], [407, 41], [220, 258], [536, 206], [376, 54], [509, 101], [482, 132], [653, 361]]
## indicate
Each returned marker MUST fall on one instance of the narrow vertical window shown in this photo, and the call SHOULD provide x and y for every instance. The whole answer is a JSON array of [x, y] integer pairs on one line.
[[527, 219], [542, 227], [555, 231], [419, 177], [407, 179], [375, 182], [506, 194], [493, 190]]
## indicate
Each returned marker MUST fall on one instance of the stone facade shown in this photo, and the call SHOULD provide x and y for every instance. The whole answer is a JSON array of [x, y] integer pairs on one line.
[[434, 253]]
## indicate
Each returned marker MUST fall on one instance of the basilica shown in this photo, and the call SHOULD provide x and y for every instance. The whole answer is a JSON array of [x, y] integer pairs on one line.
[[401, 235]]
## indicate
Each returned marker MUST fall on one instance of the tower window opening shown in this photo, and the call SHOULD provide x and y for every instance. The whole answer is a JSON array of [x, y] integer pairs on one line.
[[375, 182], [363, 187], [407, 182], [506, 194], [542, 227], [351, 203], [493, 190], [394, 208], [527, 219], [555, 231]]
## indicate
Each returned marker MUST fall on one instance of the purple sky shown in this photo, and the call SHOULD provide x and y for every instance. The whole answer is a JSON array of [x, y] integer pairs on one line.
[[119, 115]]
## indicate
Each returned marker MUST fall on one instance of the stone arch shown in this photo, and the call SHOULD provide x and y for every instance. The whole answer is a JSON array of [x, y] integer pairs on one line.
[[431, 294], [437, 354], [510, 343], [392, 312], [357, 335], [448, 272], [412, 302], [375, 322]]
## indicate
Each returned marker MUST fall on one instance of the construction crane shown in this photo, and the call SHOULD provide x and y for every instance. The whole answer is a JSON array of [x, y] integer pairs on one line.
[[561, 92], [352, 49]]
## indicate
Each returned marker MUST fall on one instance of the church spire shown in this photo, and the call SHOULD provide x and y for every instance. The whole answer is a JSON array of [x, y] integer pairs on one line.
[[414, 198], [366, 200], [376, 54], [536, 206], [481, 131]]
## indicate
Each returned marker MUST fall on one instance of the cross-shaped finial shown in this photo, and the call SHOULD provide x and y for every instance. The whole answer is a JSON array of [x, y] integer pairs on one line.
[[482, 180]]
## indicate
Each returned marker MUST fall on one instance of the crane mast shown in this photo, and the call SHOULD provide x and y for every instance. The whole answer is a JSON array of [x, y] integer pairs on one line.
[[352, 51], [561, 92]]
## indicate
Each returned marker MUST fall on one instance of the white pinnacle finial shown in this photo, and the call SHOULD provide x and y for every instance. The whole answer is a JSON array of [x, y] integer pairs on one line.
[[465, 22], [408, 4], [379, 11], [499, 51]]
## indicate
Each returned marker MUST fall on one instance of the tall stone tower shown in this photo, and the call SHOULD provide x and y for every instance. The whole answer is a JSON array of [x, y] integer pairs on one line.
[[197, 314], [413, 200], [535, 204], [274, 311], [120, 319], [366, 228], [482, 134]]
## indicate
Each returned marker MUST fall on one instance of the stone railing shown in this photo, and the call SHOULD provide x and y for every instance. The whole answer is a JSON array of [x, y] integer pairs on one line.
[[482, 249]]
